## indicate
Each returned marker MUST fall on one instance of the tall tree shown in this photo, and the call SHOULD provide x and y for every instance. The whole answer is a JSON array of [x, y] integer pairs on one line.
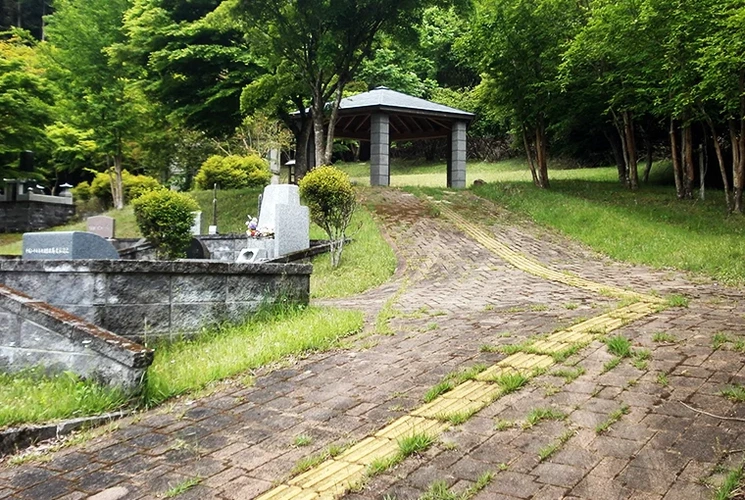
[[96, 94], [325, 42], [25, 99], [518, 45]]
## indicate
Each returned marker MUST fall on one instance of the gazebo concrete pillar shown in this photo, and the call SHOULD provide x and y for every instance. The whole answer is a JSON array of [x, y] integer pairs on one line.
[[457, 156], [380, 142]]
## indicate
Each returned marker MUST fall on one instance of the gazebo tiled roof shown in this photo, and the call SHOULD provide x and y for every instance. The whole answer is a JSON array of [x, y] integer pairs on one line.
[[410, 117]]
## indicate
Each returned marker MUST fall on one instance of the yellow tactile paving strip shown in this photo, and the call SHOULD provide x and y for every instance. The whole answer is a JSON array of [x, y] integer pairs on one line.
[[336, 476], [528, 265]]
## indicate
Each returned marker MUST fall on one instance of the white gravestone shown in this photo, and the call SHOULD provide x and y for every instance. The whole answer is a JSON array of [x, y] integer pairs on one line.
[[196, 228], [284, 216]]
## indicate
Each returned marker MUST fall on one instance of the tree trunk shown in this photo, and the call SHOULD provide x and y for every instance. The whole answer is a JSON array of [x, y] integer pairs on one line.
[[739, 168], [318, 126], [117, 184], [628, 126], [738, 180], [689, 171], [677, 171], [529, 154], [623, 176], [332, 123], [617, 155], [650, 157], [301, 153], [720, 160], [541, 152], [702, 169]]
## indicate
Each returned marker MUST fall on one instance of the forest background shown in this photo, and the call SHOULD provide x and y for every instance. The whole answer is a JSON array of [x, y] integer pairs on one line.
[[157, 86]]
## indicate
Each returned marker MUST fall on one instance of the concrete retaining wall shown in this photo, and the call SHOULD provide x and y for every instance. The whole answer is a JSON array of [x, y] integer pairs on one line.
[[146, 299], [26, 216], [33, 333]]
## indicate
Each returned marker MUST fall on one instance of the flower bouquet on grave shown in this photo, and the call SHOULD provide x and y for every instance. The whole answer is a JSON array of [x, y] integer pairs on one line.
[[255, 233]]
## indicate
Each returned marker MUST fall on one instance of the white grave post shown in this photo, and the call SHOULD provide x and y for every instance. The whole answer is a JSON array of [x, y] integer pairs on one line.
[[196, 228], [274, 164]]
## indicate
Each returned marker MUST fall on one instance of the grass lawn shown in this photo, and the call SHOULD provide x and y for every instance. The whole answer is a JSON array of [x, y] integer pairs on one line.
[[184, 366], [649, 226]]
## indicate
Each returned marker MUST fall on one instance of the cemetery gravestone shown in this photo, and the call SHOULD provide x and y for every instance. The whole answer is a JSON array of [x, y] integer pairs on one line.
[[67, 245], [283, 216], [196, 228], [103, 226]]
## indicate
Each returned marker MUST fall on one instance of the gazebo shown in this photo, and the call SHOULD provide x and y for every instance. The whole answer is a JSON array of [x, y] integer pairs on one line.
[[383, 115]]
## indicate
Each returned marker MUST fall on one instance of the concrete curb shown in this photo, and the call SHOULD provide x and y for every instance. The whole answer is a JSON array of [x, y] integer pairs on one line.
[[15, 439]]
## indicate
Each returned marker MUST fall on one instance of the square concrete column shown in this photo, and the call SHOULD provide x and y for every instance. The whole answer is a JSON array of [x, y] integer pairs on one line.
[[380, 143], [457, 156]]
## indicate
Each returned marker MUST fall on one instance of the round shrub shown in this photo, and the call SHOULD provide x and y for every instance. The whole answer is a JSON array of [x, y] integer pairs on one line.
[[81, 192], [134, 186], [232, 172], [137, 185], [165, 219], [331, 199]]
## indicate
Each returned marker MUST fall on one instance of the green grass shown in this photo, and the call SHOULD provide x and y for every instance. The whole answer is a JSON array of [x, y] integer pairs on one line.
[[735, 392], [731, 485], [267, 337], [510, 382], [307, 463], [548, 450], [537, 415], [569, 375], [415, 443], [609, 365], [662, 379], [452, 380], [32, 397], [367, 261], [619, 345], [302, 440], [613, 417], [648, 226], [182, 487], [439, 490], [664, 337]]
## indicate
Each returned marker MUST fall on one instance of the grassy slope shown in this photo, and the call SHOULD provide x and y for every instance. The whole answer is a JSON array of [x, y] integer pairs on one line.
[[646, 227]]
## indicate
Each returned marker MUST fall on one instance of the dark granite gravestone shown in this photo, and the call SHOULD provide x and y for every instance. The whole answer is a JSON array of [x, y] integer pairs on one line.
[[67, 245], [197, 250], [102, 225]]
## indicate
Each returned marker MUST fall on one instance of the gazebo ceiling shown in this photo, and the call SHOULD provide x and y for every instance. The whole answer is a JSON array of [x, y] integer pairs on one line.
[[409, 117]]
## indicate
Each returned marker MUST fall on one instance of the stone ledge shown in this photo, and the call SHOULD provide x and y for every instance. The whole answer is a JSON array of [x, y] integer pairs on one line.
[[109, 358], [184, 266]]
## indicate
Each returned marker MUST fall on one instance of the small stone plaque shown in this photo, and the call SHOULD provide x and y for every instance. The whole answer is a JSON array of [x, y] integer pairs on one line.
[[67, 245], [102, 225]]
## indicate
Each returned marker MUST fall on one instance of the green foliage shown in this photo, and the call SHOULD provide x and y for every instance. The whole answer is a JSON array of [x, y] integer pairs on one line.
[[233, 172], [34, 397], [82, 191], [331, 199], [732, 484], [165, 218], [134, 187], [734, 392], [613, 417], [272, 333], [25, 100], [619, 345]]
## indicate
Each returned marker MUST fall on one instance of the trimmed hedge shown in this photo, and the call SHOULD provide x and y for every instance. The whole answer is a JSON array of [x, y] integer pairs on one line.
[[233, 172], [165, 219]]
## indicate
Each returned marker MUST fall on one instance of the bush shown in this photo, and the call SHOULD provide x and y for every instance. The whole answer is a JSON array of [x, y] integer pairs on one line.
[[81, 192], [134, 186], [233, 172], [165, 219], [331, 199]]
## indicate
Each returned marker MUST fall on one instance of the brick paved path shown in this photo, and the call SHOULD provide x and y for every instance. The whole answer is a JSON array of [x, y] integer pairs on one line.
[[453, 297]]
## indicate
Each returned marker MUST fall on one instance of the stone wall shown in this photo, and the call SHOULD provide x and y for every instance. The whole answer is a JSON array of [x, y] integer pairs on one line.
[[26, 216], [146, 299], [33, 333]]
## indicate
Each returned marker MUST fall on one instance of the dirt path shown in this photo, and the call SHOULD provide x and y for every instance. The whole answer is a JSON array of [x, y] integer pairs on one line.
[[456, 295]]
